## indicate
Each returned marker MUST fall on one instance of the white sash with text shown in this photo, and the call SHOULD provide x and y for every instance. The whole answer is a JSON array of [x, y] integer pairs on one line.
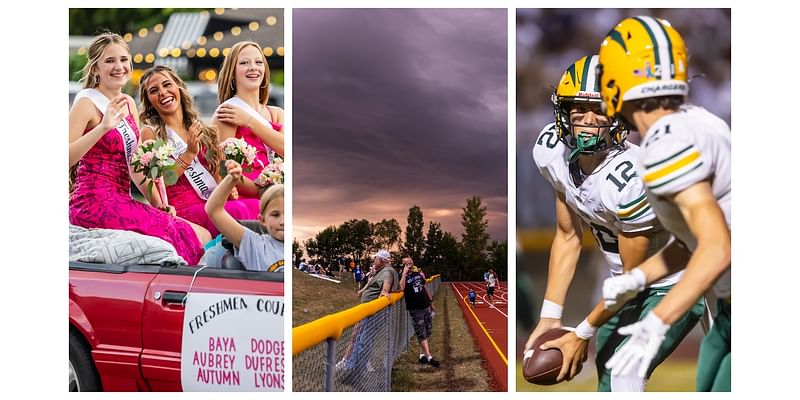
[[198, 176], [125, 131]]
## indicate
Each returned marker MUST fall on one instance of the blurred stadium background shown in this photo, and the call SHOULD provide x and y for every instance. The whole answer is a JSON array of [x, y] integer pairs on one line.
[[548, 41]]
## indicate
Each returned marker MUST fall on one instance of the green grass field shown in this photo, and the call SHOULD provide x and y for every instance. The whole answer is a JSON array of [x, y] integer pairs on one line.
[[671, 376], [314, 298], [452, 344]]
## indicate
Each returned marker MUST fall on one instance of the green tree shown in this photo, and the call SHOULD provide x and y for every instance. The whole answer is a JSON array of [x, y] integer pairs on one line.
[[432, 258], [88, 21], [452, 260], [297, 252], [474, 239], [498, 257], [385, 234], [356, 238], [326, 245], [415, 242]]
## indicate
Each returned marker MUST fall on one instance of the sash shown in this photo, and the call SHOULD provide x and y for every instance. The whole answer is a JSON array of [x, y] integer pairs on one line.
[[125, 131], [198, 176], [235, 101]]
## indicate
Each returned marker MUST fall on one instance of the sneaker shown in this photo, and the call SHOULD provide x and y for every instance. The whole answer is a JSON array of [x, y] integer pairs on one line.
[[423, 359], [433, 362], [341, 365]]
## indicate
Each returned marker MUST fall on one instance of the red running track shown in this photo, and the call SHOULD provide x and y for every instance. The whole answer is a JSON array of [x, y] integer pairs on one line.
[[489, 325]]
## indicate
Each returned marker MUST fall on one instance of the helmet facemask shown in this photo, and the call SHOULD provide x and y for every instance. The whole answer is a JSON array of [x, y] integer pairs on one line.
[[585, 139]]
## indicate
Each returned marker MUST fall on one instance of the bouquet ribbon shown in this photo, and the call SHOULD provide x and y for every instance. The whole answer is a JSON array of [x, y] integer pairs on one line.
[[162, 190]]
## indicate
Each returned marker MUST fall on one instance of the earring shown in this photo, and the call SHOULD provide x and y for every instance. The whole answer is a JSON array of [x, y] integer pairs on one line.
[[233, 85], [97, 79]]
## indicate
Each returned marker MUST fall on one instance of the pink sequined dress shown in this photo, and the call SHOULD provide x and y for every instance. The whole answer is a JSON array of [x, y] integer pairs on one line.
[[262, 151], [190, 206], [101, 199]]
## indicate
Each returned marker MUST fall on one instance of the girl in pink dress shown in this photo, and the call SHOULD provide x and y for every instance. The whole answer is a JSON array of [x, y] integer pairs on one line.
[[168, 114], [243, 112], [103, 135]]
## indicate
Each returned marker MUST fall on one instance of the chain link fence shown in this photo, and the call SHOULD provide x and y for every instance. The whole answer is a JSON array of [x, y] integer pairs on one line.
[[354, 357]]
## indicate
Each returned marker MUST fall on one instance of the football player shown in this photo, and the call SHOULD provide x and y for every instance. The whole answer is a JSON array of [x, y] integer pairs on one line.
[[685, 165], [585, 157]]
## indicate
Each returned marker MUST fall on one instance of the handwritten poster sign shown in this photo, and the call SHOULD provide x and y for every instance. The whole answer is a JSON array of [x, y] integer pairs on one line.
[[232, 343]]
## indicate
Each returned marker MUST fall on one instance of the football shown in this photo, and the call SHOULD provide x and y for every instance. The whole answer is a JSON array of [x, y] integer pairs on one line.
[[543, 367]]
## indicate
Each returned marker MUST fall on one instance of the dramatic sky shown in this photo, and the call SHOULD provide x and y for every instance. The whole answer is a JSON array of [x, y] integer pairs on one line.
[[393, 108]]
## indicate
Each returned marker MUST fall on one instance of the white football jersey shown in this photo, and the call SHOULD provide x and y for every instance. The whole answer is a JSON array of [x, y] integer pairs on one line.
[[682, 149], [611, 200]]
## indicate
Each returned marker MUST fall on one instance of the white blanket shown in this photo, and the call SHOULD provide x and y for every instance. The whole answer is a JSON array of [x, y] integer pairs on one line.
[[109, 246]]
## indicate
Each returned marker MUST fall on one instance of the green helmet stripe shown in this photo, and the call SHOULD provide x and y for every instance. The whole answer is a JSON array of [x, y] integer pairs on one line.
[[669, 46], [652, 39], [591, 83], [585, 74], [617, 37], [662, 45], [572, 74]]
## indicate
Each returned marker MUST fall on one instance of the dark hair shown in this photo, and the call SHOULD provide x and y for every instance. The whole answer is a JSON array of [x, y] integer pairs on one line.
[[653, 103], [149, 115]]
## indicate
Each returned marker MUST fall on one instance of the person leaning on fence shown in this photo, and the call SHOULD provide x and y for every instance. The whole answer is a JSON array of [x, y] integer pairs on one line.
[[419, 304], [382, 282]]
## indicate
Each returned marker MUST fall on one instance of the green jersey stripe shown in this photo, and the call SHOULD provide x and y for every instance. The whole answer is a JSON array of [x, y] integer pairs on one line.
[[667, 182], [624, 206], [637, 215], [648, 166]]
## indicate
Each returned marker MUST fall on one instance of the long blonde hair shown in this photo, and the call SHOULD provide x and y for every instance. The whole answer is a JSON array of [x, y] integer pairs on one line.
[[150, 116], [89, 75], [227, 73]]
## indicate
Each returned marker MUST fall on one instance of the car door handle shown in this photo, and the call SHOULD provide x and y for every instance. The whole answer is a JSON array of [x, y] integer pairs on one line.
[[174, 297]]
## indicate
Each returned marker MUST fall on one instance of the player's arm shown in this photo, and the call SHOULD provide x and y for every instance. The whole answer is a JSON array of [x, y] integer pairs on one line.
[[564, 253], [711, 258], [574, 345], [633, 251]]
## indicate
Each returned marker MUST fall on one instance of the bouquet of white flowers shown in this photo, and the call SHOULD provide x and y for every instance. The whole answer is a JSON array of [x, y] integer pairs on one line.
[[153, 159], [271, 174], [237, 150]]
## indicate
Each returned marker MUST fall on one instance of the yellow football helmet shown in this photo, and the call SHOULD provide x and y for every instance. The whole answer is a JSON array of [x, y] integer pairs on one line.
[[641, 57], [579, 87]]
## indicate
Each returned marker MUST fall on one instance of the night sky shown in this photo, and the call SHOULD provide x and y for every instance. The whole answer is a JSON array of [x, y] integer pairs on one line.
[[393, 108]]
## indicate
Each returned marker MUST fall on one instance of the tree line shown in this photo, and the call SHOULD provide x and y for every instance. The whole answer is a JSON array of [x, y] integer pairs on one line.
[[437, 251]]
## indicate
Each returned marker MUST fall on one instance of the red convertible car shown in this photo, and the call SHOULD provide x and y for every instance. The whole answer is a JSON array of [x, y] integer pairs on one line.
[[125, 322]]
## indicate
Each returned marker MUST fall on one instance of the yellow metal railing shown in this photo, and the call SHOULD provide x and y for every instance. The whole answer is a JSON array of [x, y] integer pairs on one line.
[[331, 326]]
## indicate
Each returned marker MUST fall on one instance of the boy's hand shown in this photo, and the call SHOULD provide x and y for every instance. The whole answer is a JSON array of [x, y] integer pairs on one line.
[[234, 170]]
